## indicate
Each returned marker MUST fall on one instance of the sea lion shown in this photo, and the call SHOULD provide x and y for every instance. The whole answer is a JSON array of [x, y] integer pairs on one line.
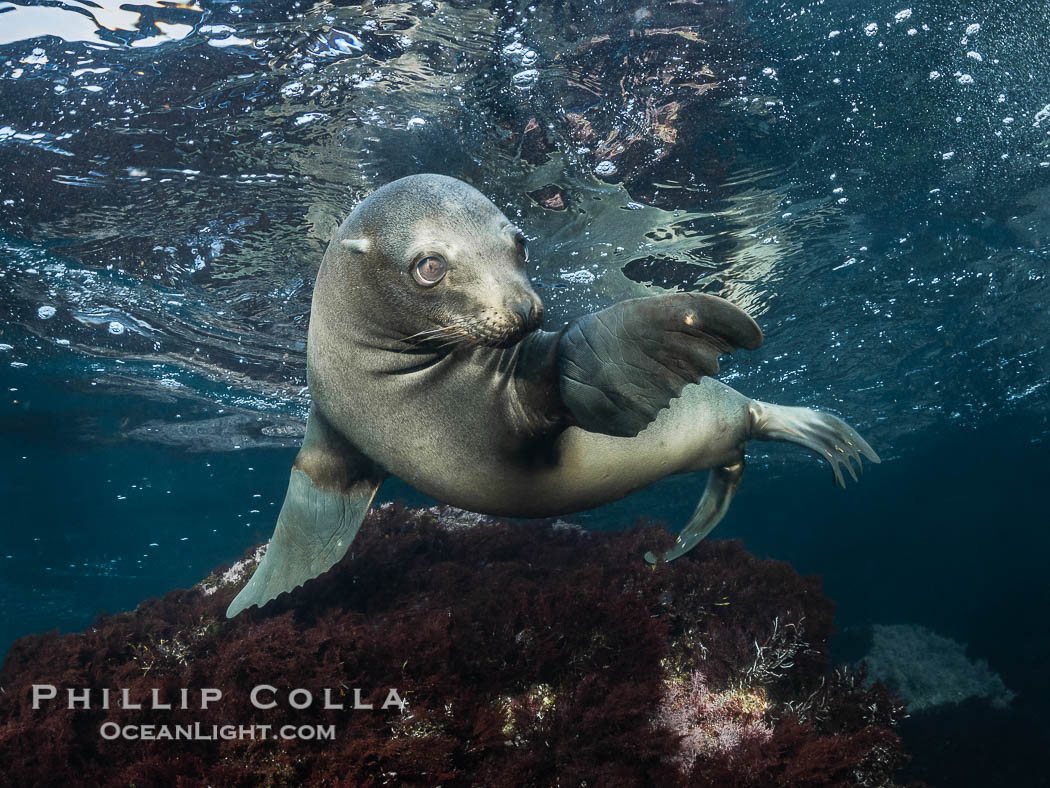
[[425, 360]]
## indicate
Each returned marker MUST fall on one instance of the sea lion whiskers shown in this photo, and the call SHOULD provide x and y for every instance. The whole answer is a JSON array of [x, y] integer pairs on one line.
[[461, 338], [478, 332], [443, 337], [462, 332], [428, 334]]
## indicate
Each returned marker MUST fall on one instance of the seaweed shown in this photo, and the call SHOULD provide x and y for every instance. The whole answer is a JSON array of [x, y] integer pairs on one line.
[[527, 654]]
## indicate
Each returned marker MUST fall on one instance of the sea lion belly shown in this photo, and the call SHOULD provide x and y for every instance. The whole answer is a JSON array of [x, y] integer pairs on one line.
[[454, 431]]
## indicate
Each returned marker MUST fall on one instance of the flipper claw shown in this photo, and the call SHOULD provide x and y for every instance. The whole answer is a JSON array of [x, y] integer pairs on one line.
[[826, 435]]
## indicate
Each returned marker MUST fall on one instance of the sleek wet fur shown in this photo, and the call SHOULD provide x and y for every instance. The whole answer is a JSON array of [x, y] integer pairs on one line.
[[452, 386]]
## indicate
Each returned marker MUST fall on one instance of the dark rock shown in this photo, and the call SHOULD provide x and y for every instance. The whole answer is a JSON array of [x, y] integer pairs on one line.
[[552, 197], [528, 655], [536, 144]]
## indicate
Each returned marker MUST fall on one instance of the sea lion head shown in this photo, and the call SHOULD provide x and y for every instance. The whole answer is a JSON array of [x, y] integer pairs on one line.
[[429, 260]]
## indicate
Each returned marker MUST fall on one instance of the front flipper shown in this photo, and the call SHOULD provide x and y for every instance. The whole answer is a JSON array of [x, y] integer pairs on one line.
[[721, 486], [329, 492], [623, 365]]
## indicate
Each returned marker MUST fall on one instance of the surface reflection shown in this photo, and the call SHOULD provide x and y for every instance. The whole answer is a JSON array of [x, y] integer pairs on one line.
[[171, 173]]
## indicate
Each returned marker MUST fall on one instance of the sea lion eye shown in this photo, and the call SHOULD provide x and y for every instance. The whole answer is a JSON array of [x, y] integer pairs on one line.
[[430, 270], [519, 238]]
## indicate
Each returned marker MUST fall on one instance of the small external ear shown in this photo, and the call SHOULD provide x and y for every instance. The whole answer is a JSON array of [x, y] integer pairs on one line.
[[357, 245]]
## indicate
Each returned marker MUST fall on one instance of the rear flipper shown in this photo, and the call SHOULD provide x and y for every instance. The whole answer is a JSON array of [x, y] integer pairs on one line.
[[821, 433], [329, 492], [824, 434], [721, 485]]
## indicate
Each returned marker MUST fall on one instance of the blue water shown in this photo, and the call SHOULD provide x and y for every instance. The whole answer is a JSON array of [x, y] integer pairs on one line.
[[870, 180]]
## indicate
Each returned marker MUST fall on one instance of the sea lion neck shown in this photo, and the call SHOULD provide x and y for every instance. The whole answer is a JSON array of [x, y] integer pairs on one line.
[[367, 347]]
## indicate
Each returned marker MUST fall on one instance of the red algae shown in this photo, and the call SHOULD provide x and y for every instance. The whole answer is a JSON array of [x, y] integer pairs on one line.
[[489, 653]]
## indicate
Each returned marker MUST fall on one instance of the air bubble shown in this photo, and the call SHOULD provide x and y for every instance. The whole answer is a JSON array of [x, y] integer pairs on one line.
[[526, 77], [581, 277]]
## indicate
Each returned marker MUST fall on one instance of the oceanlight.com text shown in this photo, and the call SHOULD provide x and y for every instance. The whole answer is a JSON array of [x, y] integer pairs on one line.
[[198, 732]]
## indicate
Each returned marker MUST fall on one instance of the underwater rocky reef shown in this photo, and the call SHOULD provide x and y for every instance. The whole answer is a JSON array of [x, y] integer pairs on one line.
[[526, 653]]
